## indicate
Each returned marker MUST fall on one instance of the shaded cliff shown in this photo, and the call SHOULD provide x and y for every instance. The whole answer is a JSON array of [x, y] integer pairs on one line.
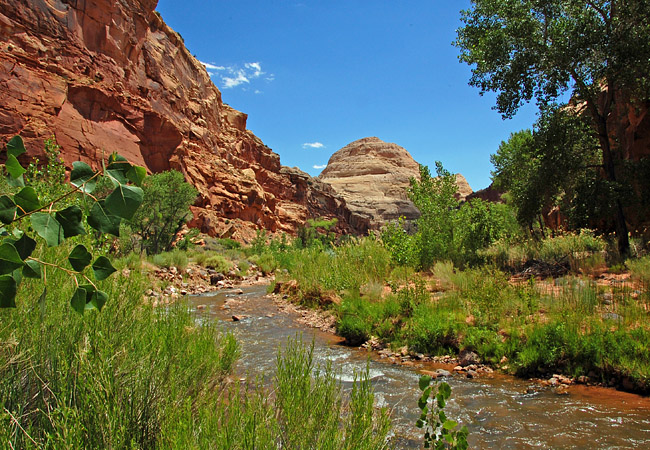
[[104, 76]]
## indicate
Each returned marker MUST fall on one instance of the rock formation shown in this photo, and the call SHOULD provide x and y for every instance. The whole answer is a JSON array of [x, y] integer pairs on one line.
[[373, 176], [104, 76]]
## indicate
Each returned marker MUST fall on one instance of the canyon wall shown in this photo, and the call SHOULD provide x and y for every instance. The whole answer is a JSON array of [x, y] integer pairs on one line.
[[103, 76]]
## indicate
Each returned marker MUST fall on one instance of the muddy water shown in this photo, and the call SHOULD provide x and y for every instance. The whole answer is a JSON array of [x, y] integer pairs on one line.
[[500, 412]]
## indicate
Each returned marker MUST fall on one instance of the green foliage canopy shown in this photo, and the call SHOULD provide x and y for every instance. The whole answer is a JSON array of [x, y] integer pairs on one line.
[[596, 50]]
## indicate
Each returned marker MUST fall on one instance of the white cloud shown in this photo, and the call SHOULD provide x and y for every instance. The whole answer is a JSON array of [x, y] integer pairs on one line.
[[236, 75], [319, 166], [212, 66], [238, 78], [312, 145]]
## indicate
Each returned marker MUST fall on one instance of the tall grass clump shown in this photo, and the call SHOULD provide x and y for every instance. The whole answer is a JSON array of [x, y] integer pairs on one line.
[[346, 267], [304, 408], [102, 380]]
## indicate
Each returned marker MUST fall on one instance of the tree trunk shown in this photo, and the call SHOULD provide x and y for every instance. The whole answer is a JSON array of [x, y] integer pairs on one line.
[[610, 175]]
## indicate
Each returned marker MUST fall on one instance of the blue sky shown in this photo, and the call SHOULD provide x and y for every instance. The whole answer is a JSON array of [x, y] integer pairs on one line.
[[314, 76]]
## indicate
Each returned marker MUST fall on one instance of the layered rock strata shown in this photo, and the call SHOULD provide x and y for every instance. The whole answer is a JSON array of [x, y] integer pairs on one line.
[[103, 76]]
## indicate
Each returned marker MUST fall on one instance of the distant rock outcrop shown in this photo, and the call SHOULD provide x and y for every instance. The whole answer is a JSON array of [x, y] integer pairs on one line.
[[373, 176], [104, 76]]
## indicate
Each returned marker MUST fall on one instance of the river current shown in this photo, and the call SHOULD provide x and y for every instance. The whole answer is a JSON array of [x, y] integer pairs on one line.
[[500, 411]]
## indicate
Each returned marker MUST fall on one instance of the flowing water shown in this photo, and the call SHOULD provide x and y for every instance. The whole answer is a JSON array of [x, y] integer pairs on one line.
[[499, 411]]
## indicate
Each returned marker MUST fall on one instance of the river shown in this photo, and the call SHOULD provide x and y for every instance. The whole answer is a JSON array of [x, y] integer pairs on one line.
[[500, 411]]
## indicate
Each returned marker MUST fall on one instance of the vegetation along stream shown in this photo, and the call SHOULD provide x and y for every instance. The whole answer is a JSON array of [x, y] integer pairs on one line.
[[500, 411]]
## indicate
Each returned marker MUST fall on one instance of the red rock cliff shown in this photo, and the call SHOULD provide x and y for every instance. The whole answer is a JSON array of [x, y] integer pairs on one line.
[[104, 76]]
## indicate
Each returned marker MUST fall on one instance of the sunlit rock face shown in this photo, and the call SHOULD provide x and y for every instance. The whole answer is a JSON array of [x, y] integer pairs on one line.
[[373, 176], [103, 76]]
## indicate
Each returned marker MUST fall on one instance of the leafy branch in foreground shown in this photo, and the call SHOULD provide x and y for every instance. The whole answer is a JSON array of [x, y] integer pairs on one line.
[[55, 225], [439, 432]]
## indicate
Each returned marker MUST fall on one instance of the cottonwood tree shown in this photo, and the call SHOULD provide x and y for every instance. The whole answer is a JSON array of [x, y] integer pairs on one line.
[[598, 51]]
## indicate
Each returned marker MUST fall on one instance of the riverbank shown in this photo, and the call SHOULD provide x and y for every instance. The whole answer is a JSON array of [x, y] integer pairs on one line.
[[501, 411], [567, 330]]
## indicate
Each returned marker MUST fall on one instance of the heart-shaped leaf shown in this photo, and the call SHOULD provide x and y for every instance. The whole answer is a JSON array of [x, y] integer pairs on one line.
[[102, 268], [136, 174], [424, 382], [16, 147], [70, 220], [9, 259], [82, 177], [78, 300], [32, 269], [102, 220], [25, 246], [79, 258], [27, 200], [87, 297], [16, 182], [7, 292], [7, 209], [124, 201], [98, 300], [14, 169], [48, 228]]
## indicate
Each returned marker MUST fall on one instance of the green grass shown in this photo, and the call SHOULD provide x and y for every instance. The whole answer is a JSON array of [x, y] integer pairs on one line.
[[133, 376], [571, 326]]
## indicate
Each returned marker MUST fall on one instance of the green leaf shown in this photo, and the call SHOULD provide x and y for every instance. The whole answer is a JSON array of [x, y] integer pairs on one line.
[[70, 220], [80, 176], [7, 209], [14, 169], [9, 259], [98, 300], [78, 300], [7, 292], [101, 220], [124, 201], [92, 298], [103, 268], [442, 416], [27, 200], [449, 424], [79, 258], [425, 380], [420, 423], [17, 275], [48, 228], [136, 174], [445, 390], [16, 182], [16, 147], [422, 402], [32, 269], [25, 246], [441, 400]]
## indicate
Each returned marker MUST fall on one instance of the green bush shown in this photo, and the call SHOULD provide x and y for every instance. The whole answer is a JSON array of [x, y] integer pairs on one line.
[[164, 211], [175, 258], [218, 263]]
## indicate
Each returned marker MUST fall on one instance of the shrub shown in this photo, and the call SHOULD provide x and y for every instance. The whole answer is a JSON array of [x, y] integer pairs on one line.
[[164, 211], [218, 263], [176, 258]]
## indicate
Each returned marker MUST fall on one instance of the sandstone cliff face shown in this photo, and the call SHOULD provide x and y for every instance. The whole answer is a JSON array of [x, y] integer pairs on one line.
[[104, 76], [373, 176]]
